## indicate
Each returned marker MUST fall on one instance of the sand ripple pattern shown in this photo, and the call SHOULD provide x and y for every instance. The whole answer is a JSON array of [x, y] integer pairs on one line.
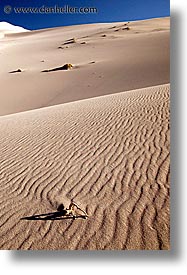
[[110, 154]]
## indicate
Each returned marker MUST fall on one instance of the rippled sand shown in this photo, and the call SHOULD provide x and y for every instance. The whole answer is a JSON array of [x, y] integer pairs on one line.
[[106, 146]]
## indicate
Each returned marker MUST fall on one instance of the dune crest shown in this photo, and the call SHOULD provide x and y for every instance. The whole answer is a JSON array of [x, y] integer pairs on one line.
[[7, 28]]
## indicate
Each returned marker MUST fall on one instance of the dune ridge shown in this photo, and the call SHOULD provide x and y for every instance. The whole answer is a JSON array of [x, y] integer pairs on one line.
[[110, 154]]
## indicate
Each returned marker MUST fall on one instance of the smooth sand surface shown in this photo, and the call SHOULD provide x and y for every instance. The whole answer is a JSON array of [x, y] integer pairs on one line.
[[106, 145], [124, 60]]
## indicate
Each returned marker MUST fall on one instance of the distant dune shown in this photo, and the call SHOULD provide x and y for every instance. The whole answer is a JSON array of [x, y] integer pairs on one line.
[[98, 134], [7, 28]]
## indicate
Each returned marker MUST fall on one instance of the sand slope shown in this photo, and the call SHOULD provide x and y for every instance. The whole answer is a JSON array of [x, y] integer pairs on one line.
[[110, 154], [107, 59]]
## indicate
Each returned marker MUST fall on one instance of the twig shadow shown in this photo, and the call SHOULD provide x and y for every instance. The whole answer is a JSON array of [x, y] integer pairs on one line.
[[58, 215]]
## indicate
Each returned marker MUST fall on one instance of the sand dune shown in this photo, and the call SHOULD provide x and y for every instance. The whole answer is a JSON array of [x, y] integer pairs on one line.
[[7, 29], [97, 134], [107, 59], [110, 154]]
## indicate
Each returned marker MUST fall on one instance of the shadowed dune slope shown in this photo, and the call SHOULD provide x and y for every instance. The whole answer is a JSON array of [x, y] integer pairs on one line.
[[110, 154]]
